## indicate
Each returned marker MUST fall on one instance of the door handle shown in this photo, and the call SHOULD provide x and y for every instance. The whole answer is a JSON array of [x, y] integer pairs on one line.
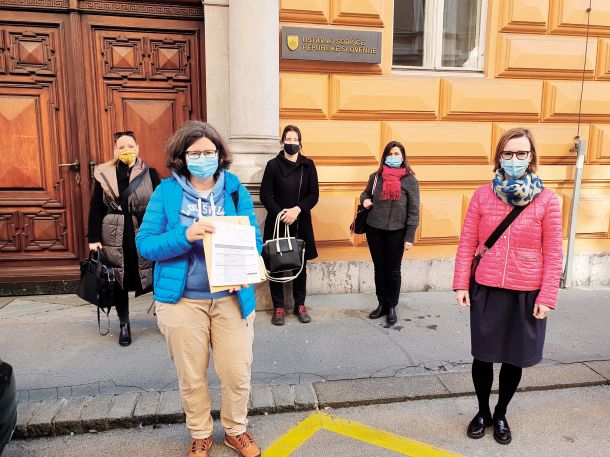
[[92, 165], [74, 166]]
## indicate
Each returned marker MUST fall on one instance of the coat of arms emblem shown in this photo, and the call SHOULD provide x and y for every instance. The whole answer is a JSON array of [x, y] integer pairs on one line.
[[293, 42]]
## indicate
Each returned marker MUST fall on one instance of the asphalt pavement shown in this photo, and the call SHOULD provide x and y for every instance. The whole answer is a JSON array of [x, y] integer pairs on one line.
[[71, 379]]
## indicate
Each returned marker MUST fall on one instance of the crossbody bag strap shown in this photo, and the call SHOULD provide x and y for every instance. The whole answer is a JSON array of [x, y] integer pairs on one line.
[[113, 200], [235, 198], [497, 233], [133, 184], [374, 186]]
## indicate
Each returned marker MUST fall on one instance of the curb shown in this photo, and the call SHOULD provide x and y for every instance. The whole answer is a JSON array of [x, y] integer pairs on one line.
[[63, 416]]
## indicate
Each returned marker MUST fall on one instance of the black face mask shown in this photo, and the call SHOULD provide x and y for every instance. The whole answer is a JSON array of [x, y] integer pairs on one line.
[[292, 149]]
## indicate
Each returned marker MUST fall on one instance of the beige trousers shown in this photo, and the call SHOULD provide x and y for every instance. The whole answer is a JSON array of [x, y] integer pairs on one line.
[[191, 327]]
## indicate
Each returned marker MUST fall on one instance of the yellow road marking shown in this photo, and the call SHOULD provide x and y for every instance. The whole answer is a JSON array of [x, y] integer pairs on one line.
[[304, 430]]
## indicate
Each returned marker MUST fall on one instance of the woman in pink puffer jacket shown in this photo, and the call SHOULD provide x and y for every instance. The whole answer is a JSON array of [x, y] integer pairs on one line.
[[516, 281]]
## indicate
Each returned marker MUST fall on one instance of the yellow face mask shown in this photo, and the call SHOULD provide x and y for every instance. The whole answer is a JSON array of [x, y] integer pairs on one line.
[[127, 156]]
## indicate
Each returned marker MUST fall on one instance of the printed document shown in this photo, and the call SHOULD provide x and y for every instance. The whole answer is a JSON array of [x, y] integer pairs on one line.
[[235, 259]]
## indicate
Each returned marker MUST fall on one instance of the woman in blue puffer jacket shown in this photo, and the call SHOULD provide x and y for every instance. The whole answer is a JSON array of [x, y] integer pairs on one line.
[[191, 318]]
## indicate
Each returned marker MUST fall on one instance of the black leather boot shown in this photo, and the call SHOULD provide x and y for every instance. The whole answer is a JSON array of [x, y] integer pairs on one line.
[[378, 312], [391, 318], [125, 335]]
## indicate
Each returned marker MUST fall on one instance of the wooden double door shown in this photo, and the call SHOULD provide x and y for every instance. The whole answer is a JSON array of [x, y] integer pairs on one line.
[[70, 76]]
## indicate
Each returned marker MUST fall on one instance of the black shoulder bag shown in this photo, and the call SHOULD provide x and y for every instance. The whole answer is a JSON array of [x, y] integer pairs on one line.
[[497, 233], [97, 284], [359, 224]]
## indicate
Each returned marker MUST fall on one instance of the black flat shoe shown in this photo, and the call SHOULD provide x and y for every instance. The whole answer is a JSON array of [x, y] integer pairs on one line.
[[125, 335], [502, 431], [378, 312], [476, 428], [391, 318]]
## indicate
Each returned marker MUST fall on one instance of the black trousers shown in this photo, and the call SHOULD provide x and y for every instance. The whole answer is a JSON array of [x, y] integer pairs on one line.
[[299, 290], [121, 303], [387, 248]]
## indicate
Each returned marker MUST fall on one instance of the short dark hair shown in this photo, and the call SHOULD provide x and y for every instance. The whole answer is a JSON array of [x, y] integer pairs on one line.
[[291, 128], [185, 136], [509, 135], [405, 159], [117, 135]]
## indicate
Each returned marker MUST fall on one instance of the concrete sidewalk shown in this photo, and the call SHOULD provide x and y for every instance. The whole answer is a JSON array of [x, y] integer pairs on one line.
[[73, 380]]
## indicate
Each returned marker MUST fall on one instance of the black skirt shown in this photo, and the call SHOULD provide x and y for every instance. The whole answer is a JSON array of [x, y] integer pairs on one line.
[[503, 328]]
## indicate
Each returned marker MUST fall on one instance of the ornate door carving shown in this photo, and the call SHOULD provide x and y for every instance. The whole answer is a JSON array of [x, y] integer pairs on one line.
[[146, 81], [39, 214], [68, 79]]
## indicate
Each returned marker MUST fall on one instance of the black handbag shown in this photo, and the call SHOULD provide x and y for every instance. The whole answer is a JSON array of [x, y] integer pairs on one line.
[[97, 284], [283, 254], [497, 233], [359, 224]]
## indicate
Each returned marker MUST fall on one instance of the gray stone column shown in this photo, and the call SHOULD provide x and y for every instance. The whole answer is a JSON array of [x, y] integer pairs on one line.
[[242, 80], [242, 89], [254, 86], [216, 17]]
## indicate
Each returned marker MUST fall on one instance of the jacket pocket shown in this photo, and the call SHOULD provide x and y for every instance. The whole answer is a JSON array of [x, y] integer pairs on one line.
[[531, 255]]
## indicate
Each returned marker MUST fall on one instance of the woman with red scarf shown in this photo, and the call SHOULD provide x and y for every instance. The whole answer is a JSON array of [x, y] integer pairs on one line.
[[392, 198]]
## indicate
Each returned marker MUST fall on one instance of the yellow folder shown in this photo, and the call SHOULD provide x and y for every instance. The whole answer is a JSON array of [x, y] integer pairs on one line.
[[207, 249]]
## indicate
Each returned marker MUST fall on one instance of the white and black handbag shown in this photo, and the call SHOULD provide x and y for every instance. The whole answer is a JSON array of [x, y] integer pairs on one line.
[[283, 254]]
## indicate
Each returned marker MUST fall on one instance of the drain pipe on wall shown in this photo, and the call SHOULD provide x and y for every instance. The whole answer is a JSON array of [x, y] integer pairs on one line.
[[580, 147]]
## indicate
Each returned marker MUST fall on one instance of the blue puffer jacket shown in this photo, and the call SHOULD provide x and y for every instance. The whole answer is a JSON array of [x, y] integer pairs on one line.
[[162, 239]]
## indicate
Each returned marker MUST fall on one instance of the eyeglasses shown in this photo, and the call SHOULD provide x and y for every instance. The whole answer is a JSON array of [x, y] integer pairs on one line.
[[196, 154], [521, 155], [118, 135]]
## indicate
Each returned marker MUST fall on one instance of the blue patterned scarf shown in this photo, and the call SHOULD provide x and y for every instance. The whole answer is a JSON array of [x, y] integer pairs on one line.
[[517, 192]]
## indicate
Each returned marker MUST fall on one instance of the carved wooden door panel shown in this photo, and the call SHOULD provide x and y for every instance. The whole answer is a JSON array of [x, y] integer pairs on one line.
[[40, 222], [145, 76], [72, 72]]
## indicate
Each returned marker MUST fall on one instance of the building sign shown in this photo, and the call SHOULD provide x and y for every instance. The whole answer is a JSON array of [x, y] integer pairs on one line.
[[334, 45]]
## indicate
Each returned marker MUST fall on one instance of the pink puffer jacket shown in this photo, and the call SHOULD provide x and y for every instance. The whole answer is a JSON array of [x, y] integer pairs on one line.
[[528, 256]]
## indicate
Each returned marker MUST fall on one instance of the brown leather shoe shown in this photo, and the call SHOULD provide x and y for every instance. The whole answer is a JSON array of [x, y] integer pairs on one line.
[[200, 447], [244, 444]]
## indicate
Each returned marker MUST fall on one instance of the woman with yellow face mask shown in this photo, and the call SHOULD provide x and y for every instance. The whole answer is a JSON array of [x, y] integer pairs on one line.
[[123, 187]]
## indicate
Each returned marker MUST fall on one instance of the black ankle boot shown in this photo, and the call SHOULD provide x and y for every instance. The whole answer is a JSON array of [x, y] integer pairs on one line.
[[125, 335], [392, 317], [378, 312]]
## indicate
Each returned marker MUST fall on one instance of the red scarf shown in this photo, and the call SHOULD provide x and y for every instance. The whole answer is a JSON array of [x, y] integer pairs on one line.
[[391, 182]]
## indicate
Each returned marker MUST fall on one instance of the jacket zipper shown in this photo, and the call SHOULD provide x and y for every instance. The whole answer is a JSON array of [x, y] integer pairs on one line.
[[506, 257]]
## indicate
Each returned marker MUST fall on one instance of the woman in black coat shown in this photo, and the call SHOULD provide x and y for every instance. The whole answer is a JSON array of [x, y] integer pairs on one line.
[[290, 184]]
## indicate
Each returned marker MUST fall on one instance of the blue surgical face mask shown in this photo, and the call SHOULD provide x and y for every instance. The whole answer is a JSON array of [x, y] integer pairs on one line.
[[203, 167], [514, 168], [393, 161]]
